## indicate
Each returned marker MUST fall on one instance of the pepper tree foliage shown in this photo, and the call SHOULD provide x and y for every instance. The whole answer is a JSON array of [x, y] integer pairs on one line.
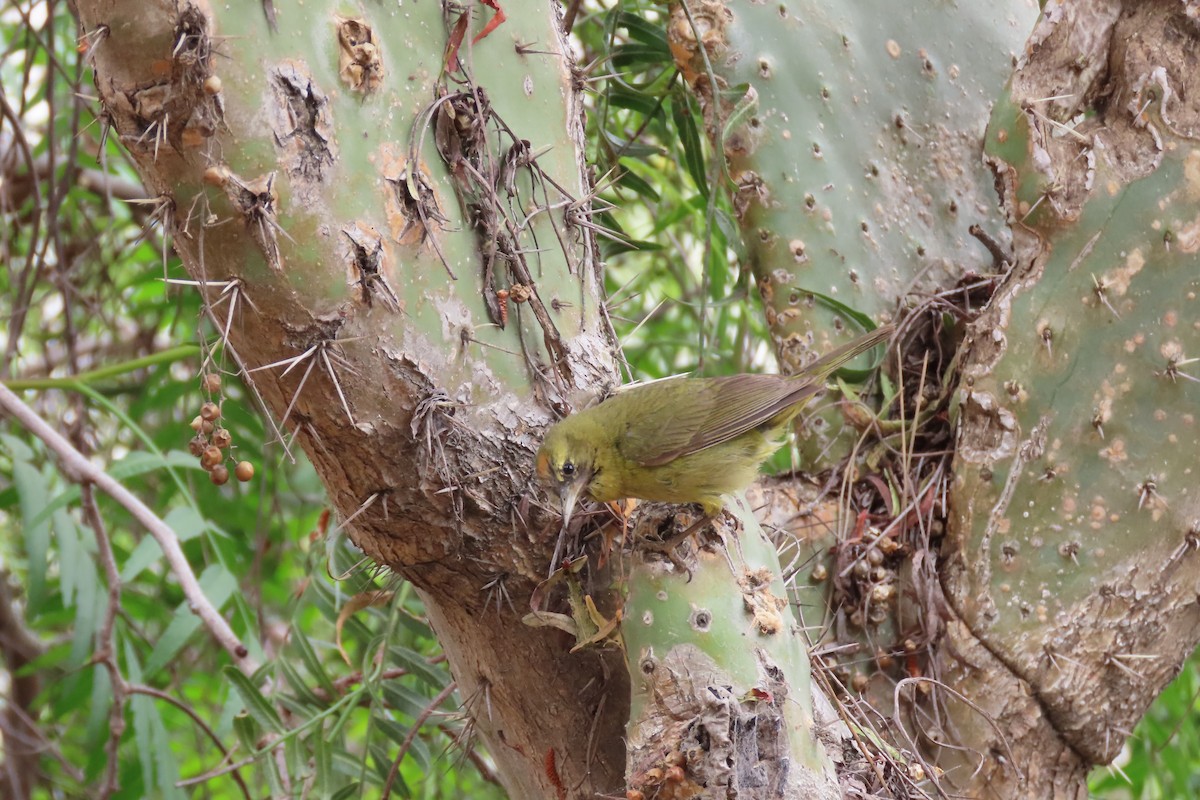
[[110, 689]]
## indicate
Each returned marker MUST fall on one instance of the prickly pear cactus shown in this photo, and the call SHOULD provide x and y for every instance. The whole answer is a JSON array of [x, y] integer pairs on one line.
[[1076, 515], [852, 134]]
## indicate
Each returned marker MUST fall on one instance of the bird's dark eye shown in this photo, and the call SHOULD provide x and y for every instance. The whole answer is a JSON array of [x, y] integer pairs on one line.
[[568, 468]]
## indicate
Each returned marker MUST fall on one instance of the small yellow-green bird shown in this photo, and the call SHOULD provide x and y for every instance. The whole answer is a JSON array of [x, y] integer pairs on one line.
[[682, 439]]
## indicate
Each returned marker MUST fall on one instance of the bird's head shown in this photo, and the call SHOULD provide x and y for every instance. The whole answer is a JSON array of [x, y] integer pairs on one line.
[[565, 463]]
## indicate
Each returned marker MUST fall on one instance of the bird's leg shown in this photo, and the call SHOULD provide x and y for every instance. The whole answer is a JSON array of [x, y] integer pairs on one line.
[[667, 548]]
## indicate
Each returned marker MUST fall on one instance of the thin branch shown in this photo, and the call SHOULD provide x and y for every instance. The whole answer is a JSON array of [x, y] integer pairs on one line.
[[412, 734], [150, 691], [106, 651], [77, 467]]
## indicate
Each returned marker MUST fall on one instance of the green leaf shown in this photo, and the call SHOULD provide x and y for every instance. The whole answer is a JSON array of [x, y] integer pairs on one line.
[[88, 613], [186, 522], [746, 104], [145, 554], [218, 585], [312, 663], [257, 706], [729, 229], [644, 31], [299, 685], [689, 139], [322, 765], [155, 756], [639, 55], [640, 102], [16, 448], [418, 667], [73, 556], [134, 464], [630, 180], [623, 147], [398, 733], [403, 699], [382, 763], [846, 373], [247, 731], [33, 489]]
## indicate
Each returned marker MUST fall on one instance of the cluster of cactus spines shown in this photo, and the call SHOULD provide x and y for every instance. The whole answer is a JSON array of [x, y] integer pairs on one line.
[[1076, 517]]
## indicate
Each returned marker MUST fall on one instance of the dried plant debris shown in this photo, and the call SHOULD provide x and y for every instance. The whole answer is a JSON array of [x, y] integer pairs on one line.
[[359, 63], [412, 206], [490, 185], [302, 123], [184, 109], [365, 258]]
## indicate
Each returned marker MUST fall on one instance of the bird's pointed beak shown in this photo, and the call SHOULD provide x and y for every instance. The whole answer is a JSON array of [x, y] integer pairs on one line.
[[569, 494]]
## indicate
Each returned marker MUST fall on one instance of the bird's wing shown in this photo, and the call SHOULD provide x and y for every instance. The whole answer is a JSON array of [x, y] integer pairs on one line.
[[714, 410]]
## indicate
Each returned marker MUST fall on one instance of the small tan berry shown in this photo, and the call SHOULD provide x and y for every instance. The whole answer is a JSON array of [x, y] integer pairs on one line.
[[244, 471], [210, 411], [222, 438], [211, 382], [219, 475], [197, 422], [196, 446], [211, 457]]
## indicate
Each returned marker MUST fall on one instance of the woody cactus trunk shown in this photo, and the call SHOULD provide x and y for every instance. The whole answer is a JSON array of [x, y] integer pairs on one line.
[[412, 291], [393, 203]]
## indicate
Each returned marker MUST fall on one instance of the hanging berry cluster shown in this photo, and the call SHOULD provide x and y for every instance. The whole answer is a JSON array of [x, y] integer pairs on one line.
[[212, 441]]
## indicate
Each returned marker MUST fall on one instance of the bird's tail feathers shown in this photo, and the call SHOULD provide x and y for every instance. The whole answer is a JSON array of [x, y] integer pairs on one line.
[[827, 364]]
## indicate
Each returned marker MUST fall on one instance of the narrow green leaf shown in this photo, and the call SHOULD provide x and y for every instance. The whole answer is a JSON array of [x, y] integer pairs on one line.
[[33, 489], [247, 731], [299, 684], [846, 373], [72, 556], [639, 55], [630, 180], [312, 663], [324, 782], [145, 554], [88, 612], [623, 147], [402, 699], [383, 763], [729, 229], [134, 464], [689, 139], [640, 102], [644, 31], [257, 706], [159, 770], [417, 666], [746, 104], [398, 733], [218, 585], [16, 448], [186, 522]]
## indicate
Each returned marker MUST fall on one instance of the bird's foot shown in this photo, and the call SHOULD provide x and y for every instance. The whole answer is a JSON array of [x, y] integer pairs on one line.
[[669, 547]]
